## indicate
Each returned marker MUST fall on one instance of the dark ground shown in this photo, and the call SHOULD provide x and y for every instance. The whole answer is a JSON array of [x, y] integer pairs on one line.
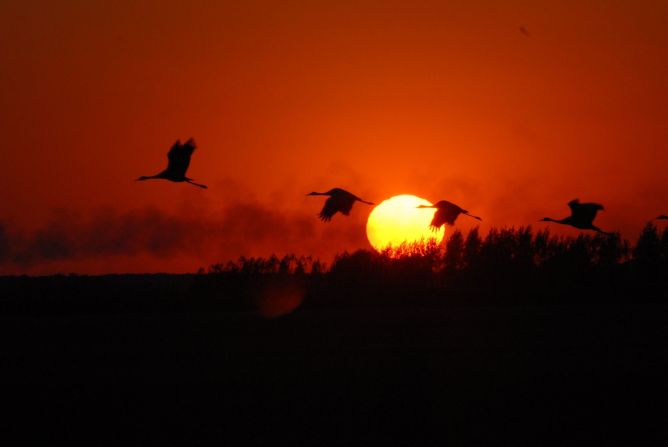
[[517, 338], [460, 375]]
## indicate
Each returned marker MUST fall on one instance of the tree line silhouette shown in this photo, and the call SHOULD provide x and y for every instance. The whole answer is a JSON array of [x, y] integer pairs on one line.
[[508, 266], [498, 250]]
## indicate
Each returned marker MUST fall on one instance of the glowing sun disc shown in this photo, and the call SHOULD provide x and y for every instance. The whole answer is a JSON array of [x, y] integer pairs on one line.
[[398, 220]]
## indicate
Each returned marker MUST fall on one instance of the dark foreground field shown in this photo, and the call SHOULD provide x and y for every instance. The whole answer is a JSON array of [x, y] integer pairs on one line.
[[566, 375]]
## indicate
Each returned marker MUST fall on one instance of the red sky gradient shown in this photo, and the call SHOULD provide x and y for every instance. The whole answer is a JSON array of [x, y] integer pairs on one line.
[[445, 100]]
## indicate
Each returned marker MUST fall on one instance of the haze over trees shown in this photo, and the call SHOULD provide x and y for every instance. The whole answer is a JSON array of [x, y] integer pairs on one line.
[[507, 266]]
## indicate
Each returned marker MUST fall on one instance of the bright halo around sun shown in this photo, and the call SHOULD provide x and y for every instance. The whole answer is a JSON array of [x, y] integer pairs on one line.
[[398, 220]]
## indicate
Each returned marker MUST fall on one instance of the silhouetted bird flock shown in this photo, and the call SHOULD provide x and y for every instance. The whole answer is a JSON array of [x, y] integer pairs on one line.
[[341, 201]]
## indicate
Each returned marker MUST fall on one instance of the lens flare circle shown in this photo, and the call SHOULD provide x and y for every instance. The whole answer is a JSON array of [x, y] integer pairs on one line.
[[398, 220]]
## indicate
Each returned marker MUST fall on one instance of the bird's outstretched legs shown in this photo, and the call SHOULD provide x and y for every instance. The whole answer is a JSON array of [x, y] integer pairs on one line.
[[598, 230], [196, 184]]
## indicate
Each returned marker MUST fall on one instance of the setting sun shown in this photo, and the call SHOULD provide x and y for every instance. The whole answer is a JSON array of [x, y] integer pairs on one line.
[[398, 220]]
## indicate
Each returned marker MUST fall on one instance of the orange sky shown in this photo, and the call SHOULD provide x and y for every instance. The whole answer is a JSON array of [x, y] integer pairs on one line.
[[445, 100]]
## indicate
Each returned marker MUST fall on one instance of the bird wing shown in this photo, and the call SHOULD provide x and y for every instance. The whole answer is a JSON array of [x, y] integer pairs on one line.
[[448, 212], [438, 220], [342, 194], [584, 212], [350, 196], [179, 158], [445, 215], [337, 203]]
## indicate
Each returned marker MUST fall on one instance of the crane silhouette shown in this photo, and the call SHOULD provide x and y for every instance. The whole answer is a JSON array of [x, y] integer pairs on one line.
[[582, 216], [179, 160], [446, 213], [339, 200]]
